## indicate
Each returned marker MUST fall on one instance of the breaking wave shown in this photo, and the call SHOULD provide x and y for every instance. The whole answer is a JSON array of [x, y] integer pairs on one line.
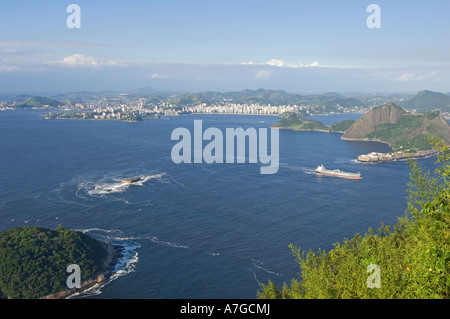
[[118, 186], [124, 265], [111, 186]]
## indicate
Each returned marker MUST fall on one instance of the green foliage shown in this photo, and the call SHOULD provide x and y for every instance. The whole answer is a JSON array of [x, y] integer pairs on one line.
[[293, 121], [33, 260], [427, 100], [410, 133], [413, 255], [341, 127], [38, 101]]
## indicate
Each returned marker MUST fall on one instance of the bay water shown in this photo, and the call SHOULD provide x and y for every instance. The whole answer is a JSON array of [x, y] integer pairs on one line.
[[192, 230]]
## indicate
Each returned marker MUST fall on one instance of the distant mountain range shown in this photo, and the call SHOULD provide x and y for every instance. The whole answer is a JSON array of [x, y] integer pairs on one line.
[[425, 101]]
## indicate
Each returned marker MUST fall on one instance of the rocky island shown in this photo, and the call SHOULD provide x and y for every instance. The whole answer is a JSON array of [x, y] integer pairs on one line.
[[93, 116]]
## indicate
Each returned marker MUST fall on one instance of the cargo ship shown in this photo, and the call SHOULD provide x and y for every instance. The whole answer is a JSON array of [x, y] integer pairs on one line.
[[337, 173]]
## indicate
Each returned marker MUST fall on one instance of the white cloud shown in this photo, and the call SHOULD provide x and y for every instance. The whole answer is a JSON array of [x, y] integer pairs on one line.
[[283, 63], [81, 60], [262, 74], [414, 76], [159, 76], [275, 62], [8, 50], [8, 68]]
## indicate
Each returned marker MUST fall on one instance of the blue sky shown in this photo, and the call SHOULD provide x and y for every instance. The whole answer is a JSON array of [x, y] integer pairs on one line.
[[299, 46]]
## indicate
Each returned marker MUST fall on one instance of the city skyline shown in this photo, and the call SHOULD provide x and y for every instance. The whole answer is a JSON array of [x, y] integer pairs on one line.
[[297, 46]]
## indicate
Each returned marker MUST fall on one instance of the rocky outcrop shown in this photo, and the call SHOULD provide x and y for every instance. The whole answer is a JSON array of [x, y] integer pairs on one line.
[[131, 180], [385, 114]]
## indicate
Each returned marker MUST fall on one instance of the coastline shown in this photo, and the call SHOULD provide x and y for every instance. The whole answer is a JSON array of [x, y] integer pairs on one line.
[[114, 253], [303, 130], [396, 155], [79, 119], [297, 129]]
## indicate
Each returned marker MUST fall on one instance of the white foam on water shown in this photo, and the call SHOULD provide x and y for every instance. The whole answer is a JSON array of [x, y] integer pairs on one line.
[[255, 277], [156, 240], [124, 265], [112, 186], [267, 271], [296, 168]]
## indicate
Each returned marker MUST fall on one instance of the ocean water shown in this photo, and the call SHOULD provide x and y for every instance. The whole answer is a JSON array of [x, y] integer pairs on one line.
[[191, 230]]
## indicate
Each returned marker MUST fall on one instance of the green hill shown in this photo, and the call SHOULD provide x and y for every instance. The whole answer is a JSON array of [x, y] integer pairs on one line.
[[38, 101], [391, 124], [33, 260], [425, 101], [294, 122], [341, 127]]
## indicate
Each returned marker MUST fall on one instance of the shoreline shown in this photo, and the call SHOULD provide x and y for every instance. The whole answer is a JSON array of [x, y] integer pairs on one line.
[[376, 157], [79, 119], [303, 130], [396, 154], [114, 254]]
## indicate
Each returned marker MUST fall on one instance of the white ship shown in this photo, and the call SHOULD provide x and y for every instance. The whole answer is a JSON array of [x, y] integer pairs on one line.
[[337, 173]]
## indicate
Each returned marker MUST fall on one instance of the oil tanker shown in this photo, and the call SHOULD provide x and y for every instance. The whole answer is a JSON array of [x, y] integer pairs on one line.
[[337, 173]]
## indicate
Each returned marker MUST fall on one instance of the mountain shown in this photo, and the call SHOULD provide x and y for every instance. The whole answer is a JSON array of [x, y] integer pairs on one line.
[[38, 101], [391, 124], [385, 114], [425, 101], [333, 94], [144, 91]]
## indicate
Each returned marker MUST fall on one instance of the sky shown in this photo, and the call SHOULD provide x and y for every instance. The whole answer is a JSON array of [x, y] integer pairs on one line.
[[179, 45]]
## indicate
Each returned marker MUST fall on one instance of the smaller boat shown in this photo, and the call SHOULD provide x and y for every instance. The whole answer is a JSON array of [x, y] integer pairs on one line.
[[337, 173]]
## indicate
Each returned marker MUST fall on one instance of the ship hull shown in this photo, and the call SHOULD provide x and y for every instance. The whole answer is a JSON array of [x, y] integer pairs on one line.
[[340, 175], [337, 173]]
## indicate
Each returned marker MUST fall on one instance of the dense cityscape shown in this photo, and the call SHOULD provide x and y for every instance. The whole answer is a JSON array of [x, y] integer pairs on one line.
[[133, 107]]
